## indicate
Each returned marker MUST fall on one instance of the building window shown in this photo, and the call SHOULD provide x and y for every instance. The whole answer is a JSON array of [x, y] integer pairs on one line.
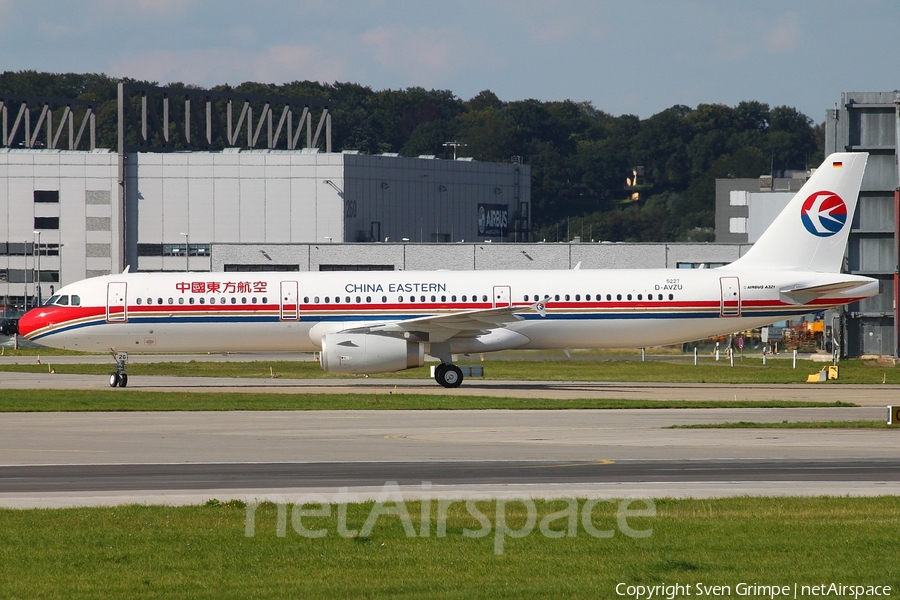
[[738, 198], [46, 196], [149, 249], [250, 268], [737, 225], [46, 222], [356, 267]]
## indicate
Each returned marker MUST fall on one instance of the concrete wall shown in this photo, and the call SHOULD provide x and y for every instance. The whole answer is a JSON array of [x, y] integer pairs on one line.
[[87, 241], [480, 256]]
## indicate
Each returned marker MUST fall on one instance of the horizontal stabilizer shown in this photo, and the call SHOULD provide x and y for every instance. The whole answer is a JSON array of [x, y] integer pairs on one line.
[[805, 295]]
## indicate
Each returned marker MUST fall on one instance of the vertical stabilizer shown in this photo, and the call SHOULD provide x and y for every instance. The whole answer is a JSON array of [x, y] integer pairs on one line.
[[811, 232]]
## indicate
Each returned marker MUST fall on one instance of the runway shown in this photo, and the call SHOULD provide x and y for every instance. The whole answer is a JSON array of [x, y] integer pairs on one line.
[[73, 459]]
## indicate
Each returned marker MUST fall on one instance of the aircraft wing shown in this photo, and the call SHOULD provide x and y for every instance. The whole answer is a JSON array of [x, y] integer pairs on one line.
[[806, 294], [442, 327]]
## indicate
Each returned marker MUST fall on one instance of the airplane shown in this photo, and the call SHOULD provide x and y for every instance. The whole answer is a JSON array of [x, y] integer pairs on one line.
[[379, 322]]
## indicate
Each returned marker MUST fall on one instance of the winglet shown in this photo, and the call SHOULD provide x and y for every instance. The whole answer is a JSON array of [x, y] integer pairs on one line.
[[540, 308]]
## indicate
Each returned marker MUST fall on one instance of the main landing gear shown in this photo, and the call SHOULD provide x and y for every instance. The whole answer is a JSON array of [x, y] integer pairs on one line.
[[448, 375], [120, 377]]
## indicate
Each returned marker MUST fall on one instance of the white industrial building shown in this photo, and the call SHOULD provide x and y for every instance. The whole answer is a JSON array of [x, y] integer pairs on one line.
[[294, 197]]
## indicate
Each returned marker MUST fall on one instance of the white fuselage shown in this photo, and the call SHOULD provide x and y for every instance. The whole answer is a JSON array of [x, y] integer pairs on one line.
[[230, 312]]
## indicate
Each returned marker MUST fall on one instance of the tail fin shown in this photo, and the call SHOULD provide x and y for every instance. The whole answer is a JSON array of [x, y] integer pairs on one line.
[[811, 232]]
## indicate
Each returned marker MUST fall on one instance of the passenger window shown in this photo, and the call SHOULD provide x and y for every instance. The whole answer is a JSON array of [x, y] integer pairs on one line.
[[253, 300], [671, 297], [618, 296], [337, 299], [159, 301], [421, 298], [243, 300], [265, 300], [138, 301], [305, 299], [384, 299], [608, 297], [556, 297], [347, 300], [327, 299], [190, 300], [222, 300], [233, 300], [640, 297], [629, 296], [588, 297], [526, 298], [453, 298], [464, 298], [443, 298], [181, 300], [434, 299], [202, 300], [660, 297]]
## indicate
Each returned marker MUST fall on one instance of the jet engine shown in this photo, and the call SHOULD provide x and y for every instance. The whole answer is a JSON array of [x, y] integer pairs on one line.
[[366, 353]]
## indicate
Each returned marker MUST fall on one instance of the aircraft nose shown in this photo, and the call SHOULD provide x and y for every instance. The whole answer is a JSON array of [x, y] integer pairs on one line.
[[34, 319]]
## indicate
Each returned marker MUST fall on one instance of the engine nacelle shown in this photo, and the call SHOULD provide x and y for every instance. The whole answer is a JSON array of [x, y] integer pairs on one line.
[[366, 353]]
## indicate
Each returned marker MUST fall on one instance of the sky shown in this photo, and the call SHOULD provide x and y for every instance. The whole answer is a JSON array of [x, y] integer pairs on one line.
[[624, 57]]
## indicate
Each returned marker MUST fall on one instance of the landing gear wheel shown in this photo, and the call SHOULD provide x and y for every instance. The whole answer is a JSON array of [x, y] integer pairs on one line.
[[120, 377], [450, 376], [439, 372]]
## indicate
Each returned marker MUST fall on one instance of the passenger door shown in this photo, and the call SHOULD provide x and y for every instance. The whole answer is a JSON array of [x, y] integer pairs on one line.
[[290, 309], [116, 302]]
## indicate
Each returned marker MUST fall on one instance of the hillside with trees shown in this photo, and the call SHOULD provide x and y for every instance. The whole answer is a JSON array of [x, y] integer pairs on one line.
[[580, 156]]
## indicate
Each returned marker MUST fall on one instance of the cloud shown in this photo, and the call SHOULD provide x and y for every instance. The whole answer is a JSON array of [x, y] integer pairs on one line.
[[155, 8], [420, 54], [214, 66], [783, 37], [554, 32]]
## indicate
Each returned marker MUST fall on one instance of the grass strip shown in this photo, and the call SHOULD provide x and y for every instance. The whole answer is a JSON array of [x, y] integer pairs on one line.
[[788, 425], [679, 370], [202, 551], [135, 400]]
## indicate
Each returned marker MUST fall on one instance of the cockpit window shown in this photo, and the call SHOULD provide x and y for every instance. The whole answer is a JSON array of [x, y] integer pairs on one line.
[[57, 300], [76, 300]]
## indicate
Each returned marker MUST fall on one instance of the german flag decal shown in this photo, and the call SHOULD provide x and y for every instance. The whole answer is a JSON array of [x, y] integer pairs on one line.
[[837, 164]]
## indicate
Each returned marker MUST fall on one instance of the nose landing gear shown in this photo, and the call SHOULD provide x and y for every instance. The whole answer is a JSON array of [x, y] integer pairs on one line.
[[120, 377]]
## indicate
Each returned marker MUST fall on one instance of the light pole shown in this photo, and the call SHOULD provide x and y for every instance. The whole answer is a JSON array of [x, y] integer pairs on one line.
[[25, 274], [187, 253], [60, 265], [37, 285], [454, 145]]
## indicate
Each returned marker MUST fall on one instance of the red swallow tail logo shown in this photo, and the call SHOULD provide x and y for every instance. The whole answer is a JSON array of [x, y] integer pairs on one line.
[[823, 214]]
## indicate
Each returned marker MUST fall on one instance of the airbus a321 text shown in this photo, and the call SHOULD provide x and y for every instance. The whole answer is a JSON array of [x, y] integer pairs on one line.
[[378, 322]]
